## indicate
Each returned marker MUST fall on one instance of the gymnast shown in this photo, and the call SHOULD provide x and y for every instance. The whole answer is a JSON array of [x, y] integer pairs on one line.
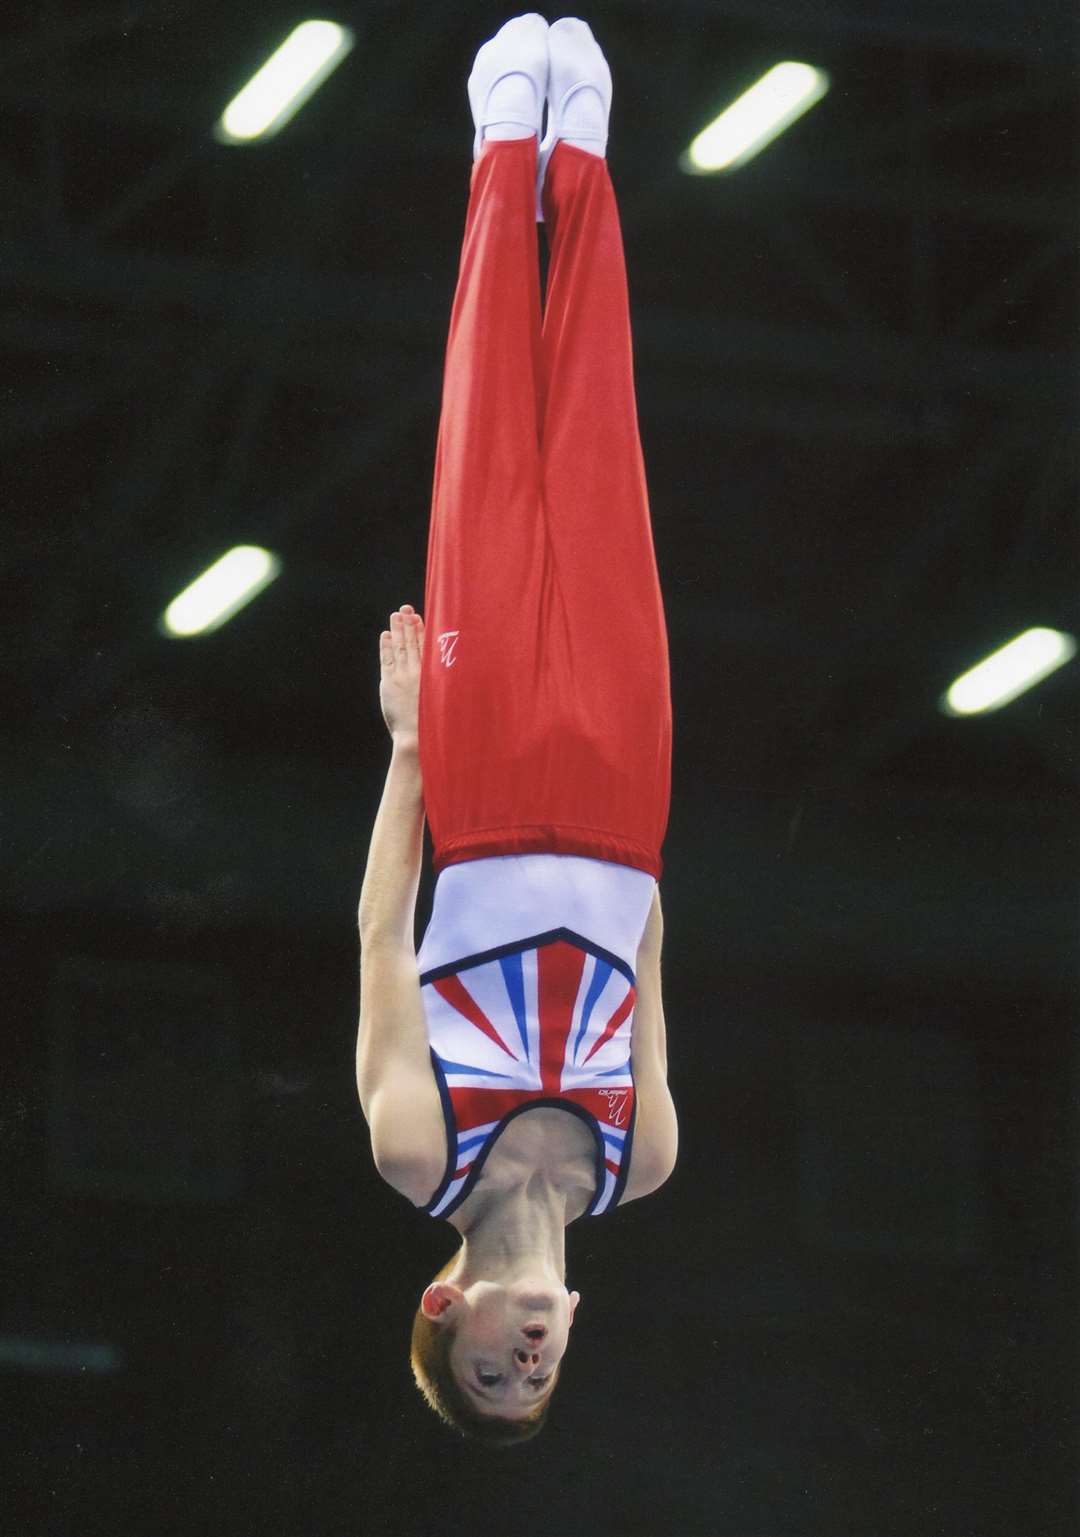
[[513, 1071]]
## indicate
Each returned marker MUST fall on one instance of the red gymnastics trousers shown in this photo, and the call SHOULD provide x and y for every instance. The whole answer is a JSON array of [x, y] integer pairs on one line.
[[545, 697]]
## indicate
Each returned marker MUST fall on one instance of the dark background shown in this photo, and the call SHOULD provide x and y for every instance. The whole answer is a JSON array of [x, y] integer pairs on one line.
[[852, 1310]]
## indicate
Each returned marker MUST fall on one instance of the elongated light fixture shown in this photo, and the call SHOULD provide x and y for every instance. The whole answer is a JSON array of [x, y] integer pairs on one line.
[[281, 87], [742, 130], [1008, 672], [221, 591]]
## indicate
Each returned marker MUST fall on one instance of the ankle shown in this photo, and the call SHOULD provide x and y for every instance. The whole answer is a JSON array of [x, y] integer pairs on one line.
[[508, 131], [585, 121], [589, 145]]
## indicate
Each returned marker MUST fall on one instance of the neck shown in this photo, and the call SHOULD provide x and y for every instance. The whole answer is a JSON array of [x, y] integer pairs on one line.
[[515, 1235]]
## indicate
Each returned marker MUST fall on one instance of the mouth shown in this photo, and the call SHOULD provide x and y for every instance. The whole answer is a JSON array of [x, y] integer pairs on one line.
[[534, 1332]]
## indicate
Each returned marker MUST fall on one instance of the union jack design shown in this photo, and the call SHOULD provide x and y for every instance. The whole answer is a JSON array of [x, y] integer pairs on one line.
[[545, 1021]]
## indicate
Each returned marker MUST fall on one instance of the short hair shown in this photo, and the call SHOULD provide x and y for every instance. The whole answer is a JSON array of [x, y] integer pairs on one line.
[[430, 1359]]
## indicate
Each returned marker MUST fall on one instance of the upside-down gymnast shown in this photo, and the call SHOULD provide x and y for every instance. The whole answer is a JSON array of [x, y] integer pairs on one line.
[[513, 1073]]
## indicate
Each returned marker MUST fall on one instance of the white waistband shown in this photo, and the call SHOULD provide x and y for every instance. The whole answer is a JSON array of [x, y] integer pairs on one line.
[[483, 903]]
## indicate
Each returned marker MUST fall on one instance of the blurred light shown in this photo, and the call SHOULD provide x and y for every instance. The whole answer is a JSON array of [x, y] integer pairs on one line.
[[756, 118], [1005, 673], [221, 591], [44, 1355], [281, 87]]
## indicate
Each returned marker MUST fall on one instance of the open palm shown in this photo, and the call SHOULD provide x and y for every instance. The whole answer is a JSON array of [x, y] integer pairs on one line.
[[401, 650]]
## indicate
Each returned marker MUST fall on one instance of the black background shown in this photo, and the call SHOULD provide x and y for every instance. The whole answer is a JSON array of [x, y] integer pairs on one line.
[[852, 1308]]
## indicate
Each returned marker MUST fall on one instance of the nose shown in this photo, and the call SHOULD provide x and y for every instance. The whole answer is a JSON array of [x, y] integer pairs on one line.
[[526, 1361]]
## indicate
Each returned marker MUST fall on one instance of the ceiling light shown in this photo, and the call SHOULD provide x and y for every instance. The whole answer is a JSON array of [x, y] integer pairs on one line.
[[784, 93], [221, 591], [283, 84], [1009, 671]]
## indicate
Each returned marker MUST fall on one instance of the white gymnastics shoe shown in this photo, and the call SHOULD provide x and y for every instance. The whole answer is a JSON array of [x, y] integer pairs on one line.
[[579, 93], [508, 84]]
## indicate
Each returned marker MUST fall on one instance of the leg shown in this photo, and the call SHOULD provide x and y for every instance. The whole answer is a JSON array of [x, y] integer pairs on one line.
[[612, 649], [485, 537], [545, 710]]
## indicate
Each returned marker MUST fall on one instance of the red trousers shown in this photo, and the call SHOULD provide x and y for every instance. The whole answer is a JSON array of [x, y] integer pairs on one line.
[[545, 698]]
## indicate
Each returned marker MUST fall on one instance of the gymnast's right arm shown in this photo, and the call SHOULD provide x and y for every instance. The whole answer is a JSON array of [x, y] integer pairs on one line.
[[393, 1064], [392, 876], [397, 1089]]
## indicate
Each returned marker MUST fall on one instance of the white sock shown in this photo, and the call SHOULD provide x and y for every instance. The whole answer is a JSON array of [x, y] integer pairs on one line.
[[586, 114], [576, 56], [516, 97], [512, 108]]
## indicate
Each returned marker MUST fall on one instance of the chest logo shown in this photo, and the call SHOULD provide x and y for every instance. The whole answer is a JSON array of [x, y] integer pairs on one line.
[[447, 645], [618, 1105]]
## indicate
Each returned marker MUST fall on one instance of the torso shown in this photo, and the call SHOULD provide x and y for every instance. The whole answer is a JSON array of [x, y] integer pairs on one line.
[[481, 904]]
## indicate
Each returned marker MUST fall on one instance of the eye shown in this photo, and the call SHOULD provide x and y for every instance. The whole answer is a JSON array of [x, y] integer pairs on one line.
[[487, 1382], [539, 1382]]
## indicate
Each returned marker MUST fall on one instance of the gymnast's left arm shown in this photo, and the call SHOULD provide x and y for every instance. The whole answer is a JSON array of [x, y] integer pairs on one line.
[[651, 1039], [656, 1133], [653, 937]]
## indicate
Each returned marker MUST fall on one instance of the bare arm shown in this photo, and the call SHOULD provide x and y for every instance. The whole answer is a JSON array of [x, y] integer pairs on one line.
[[397, 1088], [388, 897], [392, 874], [649, 1046], [653, 936], [656, 1133], [394, 1078]]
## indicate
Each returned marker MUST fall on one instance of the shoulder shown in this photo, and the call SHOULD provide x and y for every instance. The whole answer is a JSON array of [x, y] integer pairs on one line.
[[395, 1079], [415, 1177], [408, 1133]]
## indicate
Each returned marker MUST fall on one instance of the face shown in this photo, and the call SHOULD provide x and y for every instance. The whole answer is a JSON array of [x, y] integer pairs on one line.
[[509, 1341]]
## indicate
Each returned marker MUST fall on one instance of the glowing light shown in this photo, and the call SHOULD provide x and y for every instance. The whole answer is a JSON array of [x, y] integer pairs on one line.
[[772, 104], [1009, 671], [281, 87], [222, 590]]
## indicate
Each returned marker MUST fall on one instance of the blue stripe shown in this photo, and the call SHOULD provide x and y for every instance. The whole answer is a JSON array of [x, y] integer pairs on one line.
[[610, 1072], [617, 1139], [599, 982], [467, 1142], [478, 1072], [533, 942], [451, 1192], [515, 986]]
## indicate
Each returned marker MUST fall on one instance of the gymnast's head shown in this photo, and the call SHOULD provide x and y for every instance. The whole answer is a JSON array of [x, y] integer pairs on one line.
[[487, 1354]]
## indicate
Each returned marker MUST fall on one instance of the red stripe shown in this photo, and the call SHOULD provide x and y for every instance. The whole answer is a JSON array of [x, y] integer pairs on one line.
[[614, 1022], [559, 966], [475, 1107], [614, 1167], [457, 996]]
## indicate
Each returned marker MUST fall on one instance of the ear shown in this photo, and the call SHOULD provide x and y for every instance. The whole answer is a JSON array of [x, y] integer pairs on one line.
[[439, 1298], [575, 1298]]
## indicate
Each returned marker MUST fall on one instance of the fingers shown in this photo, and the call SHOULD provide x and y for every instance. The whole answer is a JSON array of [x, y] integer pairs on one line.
[[414, 626], [404, 639]]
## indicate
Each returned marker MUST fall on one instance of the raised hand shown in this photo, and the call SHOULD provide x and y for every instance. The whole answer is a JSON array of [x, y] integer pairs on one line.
[[401, 649]]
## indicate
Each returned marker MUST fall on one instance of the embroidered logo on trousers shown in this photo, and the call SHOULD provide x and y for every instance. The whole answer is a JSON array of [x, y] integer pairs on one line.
[[447, 643]]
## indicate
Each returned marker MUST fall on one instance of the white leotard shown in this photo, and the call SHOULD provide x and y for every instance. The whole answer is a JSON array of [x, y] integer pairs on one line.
[[527, 979]]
